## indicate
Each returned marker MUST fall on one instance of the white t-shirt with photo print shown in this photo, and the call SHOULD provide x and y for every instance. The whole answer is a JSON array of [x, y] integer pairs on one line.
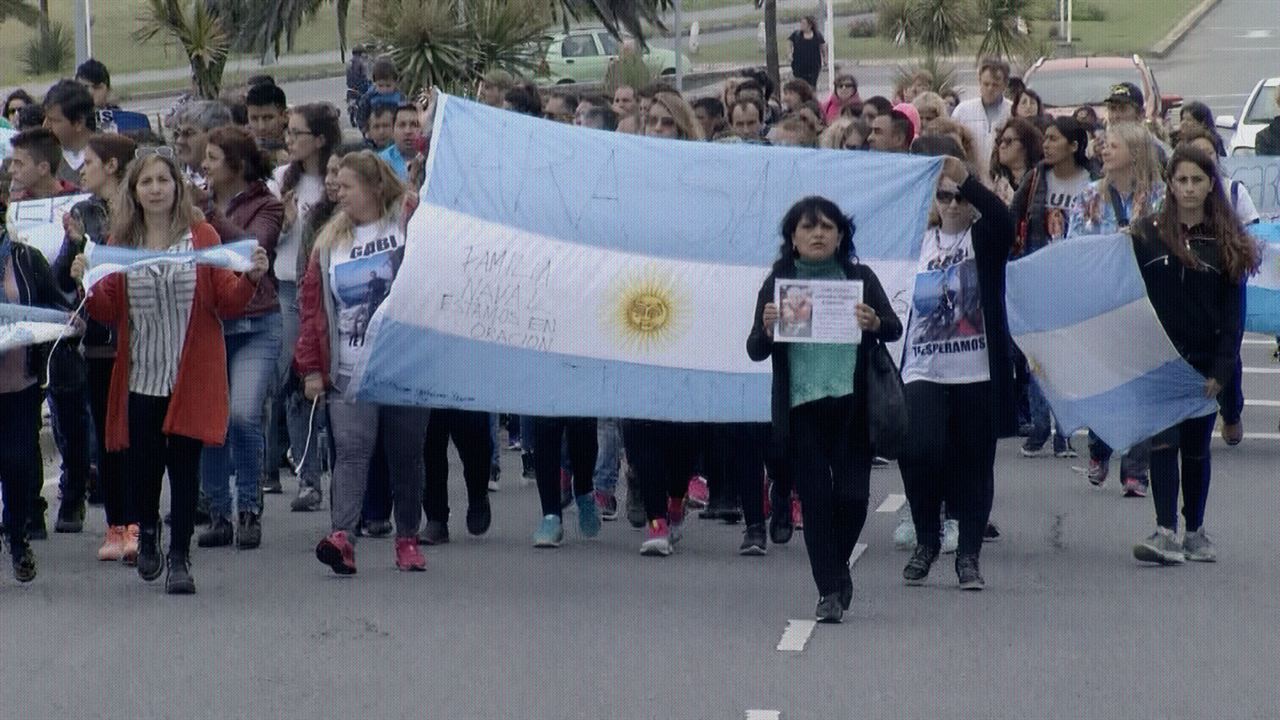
[[360, 275]]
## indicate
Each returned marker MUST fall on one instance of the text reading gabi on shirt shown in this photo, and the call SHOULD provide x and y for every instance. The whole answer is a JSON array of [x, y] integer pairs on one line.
[[946, 335], [360, 276]]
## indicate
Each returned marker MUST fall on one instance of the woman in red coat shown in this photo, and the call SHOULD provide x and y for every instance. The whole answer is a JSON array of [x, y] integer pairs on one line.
[[168, 394]]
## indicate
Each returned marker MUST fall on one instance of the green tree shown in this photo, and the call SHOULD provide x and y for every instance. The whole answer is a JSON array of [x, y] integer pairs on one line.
[[1008, 30], [19, 10], [616, 15], [197, 27], [936, 27]]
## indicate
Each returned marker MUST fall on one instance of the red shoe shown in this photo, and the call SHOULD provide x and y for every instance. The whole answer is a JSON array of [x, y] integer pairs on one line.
[[698, 493], [1134, 487], [797, 517], [408, 557], [338, 553]]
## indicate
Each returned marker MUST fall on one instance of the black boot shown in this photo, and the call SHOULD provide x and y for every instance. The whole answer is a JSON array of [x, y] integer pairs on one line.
[[24, 565], [249, 531], [179, 580], [70, 516], [219, 534], [150, 561]]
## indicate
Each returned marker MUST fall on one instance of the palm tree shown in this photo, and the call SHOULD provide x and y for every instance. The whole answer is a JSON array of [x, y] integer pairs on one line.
[[19, 10], [617, 15], [197, 27], [1008, 34], [771, 43]]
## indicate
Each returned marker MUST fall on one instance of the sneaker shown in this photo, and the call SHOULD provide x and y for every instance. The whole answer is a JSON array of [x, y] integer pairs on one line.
[[1032, 450], [1160, 547], [377, 528], [1232, 434], [588, 515], [130, 552], [1197, 547], [550, 532], [657, 539], [1135, 487], [607, 504], [566, 488], [408, 557], [950, 536], [113, 545], [271, 483], [178, 580], [220, 533], [249, 531], [1097, 473], [1062, 449], [308, 499], [338, 553], [698, 492], [917, 568], [991, 533], [797, 513], [675, 518], [434, 532], [495, 476], [780, 527], [754, 541], [829, 610], [479, 517], [968, 574], [904, 536], [70, 517], [24, 565], [150, 560]]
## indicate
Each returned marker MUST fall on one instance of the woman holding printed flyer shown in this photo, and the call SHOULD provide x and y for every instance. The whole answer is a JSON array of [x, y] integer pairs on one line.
[[819, 390], [956, 366], [168, 395]]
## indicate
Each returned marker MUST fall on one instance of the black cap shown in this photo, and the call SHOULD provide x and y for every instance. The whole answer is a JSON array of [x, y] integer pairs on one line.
[[1126, 93]]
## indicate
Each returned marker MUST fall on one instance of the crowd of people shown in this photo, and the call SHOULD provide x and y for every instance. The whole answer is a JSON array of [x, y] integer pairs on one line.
[[218, 379]]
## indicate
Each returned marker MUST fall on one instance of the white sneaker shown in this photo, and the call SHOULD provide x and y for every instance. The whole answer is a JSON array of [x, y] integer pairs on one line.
[[950, 535], [904, 536]]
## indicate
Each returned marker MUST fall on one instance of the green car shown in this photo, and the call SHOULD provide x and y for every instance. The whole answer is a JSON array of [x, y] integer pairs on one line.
[[583, 56]]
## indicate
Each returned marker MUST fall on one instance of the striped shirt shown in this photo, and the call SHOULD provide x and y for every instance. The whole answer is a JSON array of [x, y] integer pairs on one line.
[[160, 298]]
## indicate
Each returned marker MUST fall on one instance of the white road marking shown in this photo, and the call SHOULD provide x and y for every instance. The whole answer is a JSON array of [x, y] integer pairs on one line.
[[1255, 35], [857, 553], [1262, 371], [1262, 403], [1258, 341], [764, 715], [796, 635], [1260, 436], [892, 504]]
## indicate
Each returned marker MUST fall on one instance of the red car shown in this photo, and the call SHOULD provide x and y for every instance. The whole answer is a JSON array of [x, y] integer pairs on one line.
[[1065, 84]]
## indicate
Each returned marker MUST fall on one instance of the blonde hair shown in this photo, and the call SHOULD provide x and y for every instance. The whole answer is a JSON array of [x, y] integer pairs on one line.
[[944, 125], [1146, 166], [932, 101], [686, 120], [378, 177], [129, 223], [833, 137]]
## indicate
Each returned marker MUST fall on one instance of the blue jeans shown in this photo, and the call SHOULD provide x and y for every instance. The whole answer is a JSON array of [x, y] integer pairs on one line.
[[1040, 415], [289, 400], [253, 349], [609, 455]]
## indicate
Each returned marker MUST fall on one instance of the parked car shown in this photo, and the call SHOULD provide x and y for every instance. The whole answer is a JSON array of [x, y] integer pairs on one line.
[[1256, 114], [583, 55], [1068, 83]]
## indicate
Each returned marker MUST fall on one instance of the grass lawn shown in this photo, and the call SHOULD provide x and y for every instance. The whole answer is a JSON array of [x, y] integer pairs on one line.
[[114, 22]]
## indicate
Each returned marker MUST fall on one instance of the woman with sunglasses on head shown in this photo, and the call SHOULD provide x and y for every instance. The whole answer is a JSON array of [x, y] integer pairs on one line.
[[106, 157], [957, 365], [1018, 148], [239, 205], [1195, 258], [169, 394]]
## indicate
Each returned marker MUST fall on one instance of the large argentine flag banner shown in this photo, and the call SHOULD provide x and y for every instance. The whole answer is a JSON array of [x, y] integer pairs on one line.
[[1080, 313], [555, 270], [1262, 294]]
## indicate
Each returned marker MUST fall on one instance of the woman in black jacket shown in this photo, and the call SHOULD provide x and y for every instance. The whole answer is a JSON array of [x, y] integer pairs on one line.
[[957, 365], [1195, 258], [819, 398]]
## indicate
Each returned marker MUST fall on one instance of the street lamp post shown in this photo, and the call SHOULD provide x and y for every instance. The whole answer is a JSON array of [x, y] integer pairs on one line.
[[81, 17]]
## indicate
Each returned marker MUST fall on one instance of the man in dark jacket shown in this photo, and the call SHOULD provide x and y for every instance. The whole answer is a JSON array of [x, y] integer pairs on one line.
[[1268, 140]]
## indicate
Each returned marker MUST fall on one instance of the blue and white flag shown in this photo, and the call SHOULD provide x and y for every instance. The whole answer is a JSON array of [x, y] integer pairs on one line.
[[106, 259], [38, 223], [22, 325], [1079, 311], [1262, 294], [561, 271], [6, 149]]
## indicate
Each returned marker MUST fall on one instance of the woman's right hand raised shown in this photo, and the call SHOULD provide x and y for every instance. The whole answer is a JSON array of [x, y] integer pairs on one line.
[[769, 317], [290, 202], [313, 386], [78, 267], [73, 227]]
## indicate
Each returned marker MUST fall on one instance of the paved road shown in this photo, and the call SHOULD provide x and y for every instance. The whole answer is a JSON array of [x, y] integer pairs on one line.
[[1069, 626]]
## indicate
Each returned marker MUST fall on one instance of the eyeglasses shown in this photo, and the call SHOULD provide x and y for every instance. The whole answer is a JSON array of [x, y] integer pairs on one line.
[[163, 151], [291, 133], [946, 197], [665, 121]]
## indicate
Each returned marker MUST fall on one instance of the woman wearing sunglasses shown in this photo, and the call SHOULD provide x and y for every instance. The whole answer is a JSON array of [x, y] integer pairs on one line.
[[671, 117], [957, 365]]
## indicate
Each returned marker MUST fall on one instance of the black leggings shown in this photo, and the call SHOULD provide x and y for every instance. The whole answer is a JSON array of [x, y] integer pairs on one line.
[[735, 460], [662, 454], [949, 455], [151, 452], [116, 502], [20, 464], [1189, 439], [470, 434], [833, 479], [548, 432]]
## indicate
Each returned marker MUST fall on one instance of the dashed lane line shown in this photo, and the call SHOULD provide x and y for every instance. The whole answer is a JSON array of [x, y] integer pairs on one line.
[[796, 635], [858, 549], [892, 504], [764, 715]]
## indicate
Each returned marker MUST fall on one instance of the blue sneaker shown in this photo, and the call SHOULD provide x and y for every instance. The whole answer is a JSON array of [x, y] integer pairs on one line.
[[550, 533], [588, 515]]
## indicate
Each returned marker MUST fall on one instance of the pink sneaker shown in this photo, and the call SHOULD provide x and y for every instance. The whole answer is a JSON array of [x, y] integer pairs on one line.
[[657, 539], [675, 517], [797, 517], [698, 493], [408, 557], [338, 553]]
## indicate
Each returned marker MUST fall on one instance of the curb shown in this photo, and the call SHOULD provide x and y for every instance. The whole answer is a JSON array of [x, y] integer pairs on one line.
[[1161, 49]]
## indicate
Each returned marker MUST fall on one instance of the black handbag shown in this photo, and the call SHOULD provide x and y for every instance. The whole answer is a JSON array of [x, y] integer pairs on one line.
[[886, 404]]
